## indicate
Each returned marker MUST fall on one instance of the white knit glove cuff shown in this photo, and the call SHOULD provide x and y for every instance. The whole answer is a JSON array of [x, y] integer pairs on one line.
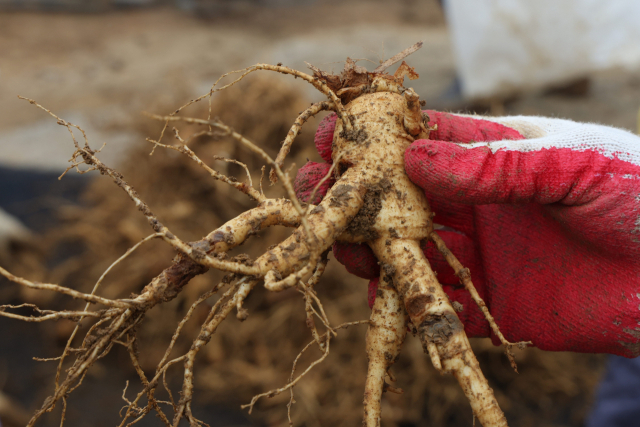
[[543, 132]]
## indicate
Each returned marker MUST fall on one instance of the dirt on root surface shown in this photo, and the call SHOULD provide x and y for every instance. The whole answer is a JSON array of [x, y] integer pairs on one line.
[[366, 218]]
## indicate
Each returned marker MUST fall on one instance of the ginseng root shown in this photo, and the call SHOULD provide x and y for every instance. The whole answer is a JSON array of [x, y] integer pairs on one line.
[[386, 333], [372, 201]]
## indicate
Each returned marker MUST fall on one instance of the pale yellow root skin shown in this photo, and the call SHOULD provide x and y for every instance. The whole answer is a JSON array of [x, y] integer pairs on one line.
[[327, 221], [388, 122], [437, 323], [387, 330]]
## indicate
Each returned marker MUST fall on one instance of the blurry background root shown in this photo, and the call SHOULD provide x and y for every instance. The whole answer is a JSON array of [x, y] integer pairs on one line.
[[243, 359]]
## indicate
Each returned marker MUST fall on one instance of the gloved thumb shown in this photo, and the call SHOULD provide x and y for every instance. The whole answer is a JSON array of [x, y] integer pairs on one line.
[[479, 175]]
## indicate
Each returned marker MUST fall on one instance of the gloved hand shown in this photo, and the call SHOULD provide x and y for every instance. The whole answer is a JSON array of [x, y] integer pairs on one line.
[[546, 215]]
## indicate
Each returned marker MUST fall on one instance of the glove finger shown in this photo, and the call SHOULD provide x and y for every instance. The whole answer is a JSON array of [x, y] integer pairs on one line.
[[308, 177], [450, 127], [324, 137], [453, 128], [358, 259], [458, 216], [480, 176]]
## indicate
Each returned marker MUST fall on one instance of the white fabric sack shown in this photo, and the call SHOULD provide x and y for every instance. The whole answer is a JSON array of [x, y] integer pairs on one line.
[[10, 228], [506, 45]]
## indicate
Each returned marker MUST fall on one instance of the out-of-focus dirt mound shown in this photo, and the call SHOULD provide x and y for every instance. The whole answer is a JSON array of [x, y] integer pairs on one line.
[[254, 356]]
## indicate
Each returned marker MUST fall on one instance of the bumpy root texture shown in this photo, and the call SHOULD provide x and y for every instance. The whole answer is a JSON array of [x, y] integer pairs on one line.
[[386, 333], [327, 221], [438, 325], [395, 218]]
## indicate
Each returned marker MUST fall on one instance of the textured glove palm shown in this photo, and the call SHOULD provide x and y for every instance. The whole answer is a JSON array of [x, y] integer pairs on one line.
[[547, 218]]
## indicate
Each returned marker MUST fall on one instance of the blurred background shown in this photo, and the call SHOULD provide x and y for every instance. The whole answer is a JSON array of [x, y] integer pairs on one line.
[[100, 63]]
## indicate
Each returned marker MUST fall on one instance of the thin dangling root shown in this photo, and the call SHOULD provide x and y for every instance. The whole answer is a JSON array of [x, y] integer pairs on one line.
[[465, 278], [295, 130], [386, 333], [317, 83], [309, 297], [326, 337], [217, 314]]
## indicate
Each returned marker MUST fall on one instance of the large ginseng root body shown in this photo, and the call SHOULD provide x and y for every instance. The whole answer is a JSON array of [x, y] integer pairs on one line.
[[373, 202], [394, 219]]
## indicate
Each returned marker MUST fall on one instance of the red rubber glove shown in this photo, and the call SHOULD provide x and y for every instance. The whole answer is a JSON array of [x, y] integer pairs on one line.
[[548, 225]]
